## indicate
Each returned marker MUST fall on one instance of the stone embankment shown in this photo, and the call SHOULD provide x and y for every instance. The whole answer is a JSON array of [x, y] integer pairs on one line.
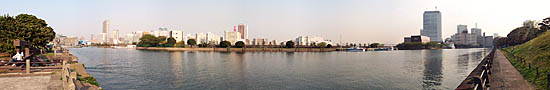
[[241, 49]]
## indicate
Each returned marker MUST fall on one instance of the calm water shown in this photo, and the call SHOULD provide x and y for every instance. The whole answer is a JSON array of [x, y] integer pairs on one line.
[[121, 69]]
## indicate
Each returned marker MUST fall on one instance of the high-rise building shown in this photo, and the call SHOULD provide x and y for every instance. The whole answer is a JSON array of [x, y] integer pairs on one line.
[[178, 35], [106, 28], [232, 37], [476, 31], [115, 37], [432, 25], [212, 38], [308, 40], [200, 38], [461, 29], [243, 29]]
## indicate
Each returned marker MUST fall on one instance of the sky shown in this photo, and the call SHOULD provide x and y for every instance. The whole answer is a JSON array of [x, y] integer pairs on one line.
[[358, 21]]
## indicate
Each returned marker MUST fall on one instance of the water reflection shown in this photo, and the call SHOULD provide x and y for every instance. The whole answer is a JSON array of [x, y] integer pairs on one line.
[[122, 69], [432, 69]]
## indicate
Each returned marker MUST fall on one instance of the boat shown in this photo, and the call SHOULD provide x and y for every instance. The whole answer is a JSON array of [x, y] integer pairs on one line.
[[355, 49]]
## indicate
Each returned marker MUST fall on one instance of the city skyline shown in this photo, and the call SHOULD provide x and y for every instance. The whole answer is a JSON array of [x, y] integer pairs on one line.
[[364, 21]]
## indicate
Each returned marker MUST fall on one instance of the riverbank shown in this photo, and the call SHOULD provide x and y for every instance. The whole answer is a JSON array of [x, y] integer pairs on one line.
[[241, 49], [63, 72]]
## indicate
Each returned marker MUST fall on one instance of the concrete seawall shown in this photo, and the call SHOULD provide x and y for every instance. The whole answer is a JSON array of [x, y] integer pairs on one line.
[[241, 49]]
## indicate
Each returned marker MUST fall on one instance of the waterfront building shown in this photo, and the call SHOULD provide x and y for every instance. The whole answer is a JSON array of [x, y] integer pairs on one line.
[[178, 35], [212, 38], [461, 28], [106, 28], [274, 42], [308, 40], [201, 38], [476, 31], [115, 37], [417, 38], [161, 32], [232, 37], [243, 30], [260, 41], [432, 25], [137, 36], [104, 38]]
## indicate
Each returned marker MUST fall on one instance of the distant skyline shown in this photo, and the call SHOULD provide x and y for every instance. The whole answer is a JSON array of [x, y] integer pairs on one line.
[[384, 21]]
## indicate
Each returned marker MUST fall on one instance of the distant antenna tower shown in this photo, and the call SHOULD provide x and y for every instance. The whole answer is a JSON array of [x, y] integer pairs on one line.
[[476, 25]]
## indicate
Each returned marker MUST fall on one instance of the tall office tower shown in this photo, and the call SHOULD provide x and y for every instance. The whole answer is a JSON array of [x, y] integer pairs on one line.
[[106, 28], [461, 29], [432, 25], [243, 29], [476, 31]]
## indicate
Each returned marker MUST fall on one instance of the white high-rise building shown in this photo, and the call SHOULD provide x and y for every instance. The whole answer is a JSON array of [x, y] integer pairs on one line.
[[461, 28], [106, 28], [232, 37], [212, 38], [308, 40], [178, 35], [201, 38], [432, 25]]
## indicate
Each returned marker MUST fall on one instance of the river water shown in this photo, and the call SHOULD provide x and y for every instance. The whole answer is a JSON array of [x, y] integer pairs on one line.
[[123, 69]]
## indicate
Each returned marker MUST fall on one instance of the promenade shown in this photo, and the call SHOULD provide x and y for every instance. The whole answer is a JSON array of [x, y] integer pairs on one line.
[[505, 76]]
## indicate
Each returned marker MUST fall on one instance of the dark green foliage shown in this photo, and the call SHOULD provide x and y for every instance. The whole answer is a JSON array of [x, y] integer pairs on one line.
[[180, 44], [203, 45], [239, 44], [375, 45], [24, 27], [171, 41], [225, 44], [162, 38], [322, 44], [148, 41], [191, 42], [289, 44], [329, 46], [522, 34], [544, 24], [418, 45]]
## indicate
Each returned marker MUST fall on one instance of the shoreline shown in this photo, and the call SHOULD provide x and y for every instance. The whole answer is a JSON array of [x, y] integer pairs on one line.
[[241, 49]]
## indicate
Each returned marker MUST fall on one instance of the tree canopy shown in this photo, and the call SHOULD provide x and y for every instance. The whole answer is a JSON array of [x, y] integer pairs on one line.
[[148, 41], [239, 44], [289, 44], [225, 44], [171, 41], [322, 44], [191, 42], [24, 27]]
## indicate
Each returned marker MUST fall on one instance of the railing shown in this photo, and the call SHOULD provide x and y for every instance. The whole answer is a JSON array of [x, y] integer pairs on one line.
[[478, 79], [69, 78]]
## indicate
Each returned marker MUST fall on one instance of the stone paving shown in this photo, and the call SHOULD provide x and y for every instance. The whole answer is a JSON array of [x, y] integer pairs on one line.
[[505, 76]]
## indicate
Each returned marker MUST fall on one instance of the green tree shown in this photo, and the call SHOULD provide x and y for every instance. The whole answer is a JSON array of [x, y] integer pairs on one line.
[[225, 44], [171, 41], [329, 46], [375, 45], [191, 42], [322, 44], [162, 38], [180, 44], [24, 27], [239, 44], [148, 41], [545, 24], [289, 44]]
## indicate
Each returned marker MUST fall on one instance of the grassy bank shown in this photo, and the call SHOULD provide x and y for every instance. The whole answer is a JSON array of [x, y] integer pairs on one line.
[[529, 56]]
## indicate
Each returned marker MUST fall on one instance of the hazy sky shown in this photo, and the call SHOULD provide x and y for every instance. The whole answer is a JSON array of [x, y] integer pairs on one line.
[[385, 21]]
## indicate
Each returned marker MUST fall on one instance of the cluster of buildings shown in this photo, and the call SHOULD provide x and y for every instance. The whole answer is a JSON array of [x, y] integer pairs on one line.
[[431, 32], [239, 33], [475, 38]]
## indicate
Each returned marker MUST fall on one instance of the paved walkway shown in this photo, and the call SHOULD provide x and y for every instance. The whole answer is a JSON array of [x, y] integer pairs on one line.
[[505, 76], [30, 83]]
